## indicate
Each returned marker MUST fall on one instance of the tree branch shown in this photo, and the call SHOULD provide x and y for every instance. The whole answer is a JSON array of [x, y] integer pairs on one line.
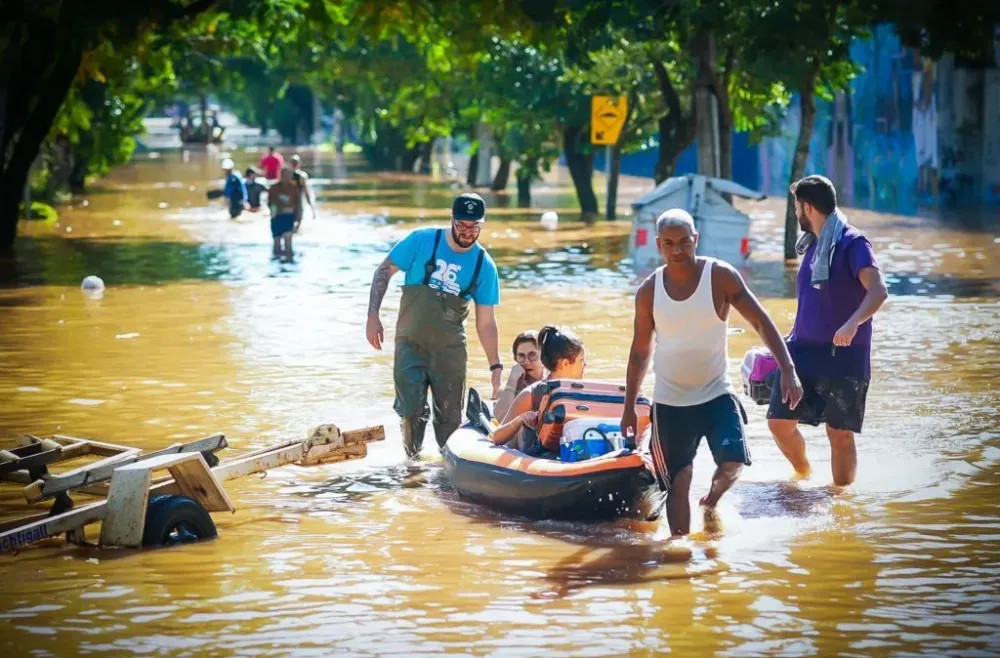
[[671, 101]]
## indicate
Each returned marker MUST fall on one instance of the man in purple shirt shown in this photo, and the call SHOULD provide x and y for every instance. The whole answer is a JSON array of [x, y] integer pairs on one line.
[[830, 342]]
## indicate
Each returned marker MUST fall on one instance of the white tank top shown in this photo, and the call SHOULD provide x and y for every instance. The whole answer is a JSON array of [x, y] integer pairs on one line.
[[692, 345]]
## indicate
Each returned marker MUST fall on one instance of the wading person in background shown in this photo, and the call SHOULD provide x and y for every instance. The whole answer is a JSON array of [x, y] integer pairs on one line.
[[235, 190], [301, 179], [840, 288], [284, 200], [686, 305], [445, 269], [254, 189], [272, 164]]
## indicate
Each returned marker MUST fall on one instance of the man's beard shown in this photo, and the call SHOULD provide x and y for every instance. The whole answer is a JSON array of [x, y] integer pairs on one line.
[[459, 241], [803, 224]]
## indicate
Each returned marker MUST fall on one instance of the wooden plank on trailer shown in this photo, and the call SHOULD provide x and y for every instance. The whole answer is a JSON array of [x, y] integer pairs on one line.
[[365, 435], [327, 455], [42, 458], [47, 488], [11, 524], [195, 480], [51, 526], [353, 445], [99, 448], [125, 515], [78, 477], [258, 461]]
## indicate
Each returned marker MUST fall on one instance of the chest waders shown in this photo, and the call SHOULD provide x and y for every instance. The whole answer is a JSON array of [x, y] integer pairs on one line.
[[431, 352]]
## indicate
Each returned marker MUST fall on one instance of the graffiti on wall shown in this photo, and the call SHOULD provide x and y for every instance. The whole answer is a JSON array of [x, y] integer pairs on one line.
[[909, 132]]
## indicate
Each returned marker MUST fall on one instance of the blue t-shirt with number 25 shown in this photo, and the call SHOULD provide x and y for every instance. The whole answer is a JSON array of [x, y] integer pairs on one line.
[[452, 270]]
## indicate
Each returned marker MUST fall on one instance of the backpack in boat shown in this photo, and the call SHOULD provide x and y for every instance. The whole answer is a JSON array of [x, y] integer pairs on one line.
[[566, 401]]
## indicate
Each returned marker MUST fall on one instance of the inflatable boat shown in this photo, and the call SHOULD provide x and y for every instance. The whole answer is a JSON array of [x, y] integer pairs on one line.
[[615, 485]]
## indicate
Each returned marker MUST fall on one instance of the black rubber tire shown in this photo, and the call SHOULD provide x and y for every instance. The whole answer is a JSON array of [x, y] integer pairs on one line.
[[174, 520]]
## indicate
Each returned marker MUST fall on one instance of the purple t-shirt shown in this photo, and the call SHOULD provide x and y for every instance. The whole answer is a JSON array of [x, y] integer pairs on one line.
[[822, 311]]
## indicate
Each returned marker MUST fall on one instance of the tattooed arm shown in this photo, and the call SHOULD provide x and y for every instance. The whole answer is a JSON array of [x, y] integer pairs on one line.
[[380, 283]]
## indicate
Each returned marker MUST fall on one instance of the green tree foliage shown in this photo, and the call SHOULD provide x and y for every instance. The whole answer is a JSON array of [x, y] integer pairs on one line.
[[807, 48]]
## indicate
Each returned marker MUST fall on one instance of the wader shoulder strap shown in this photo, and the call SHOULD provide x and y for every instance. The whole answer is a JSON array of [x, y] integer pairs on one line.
[[474, 283], [432, 263]]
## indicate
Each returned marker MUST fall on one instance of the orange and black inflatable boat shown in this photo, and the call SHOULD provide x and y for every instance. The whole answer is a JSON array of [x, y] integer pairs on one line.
[[611, 486]]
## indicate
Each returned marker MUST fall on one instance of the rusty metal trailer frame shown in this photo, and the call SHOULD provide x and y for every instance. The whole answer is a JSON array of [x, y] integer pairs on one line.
[[128, 483]]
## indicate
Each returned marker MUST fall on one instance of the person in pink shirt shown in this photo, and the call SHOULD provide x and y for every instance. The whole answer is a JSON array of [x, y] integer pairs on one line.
[[272, 164]]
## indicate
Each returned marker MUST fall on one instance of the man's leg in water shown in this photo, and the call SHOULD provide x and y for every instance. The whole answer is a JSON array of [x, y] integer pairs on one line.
[[676, 434], [724, 420], [410, 378], [446, 373], [277, 247], [678, 503], [287, 237], [783, 422], [843, 456], [789, 439]]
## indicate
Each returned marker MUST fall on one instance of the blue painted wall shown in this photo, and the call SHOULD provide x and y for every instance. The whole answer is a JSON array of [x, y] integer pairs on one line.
[[909, 133]]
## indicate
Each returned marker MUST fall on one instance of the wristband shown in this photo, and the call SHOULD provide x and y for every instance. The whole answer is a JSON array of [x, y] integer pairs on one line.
[[496, 366]]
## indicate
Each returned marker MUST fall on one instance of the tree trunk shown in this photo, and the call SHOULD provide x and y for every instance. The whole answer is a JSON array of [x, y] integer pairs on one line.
[[677, 129], [81, 165], [614, 169], [527, 173], [581, 169], [503, 175], [725, 143], [473, 171], [426, 154], [523, 192], [410, 158], [808, 108], [33, 87], [206, 131]]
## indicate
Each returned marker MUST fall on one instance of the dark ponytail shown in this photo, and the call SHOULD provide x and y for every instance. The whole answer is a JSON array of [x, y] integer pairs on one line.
[[555, 344]]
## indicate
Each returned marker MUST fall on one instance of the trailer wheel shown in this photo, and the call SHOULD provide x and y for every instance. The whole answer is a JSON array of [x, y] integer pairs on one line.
[[174, 520]]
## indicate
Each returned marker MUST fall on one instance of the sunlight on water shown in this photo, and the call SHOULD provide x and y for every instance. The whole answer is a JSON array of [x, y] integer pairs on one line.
[[200, 331]]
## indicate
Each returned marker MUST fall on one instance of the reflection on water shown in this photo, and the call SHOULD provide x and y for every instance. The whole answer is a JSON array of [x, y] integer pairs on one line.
[[199, 331]]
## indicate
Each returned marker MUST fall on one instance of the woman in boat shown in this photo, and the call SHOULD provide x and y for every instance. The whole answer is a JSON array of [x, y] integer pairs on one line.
[[564, 356], [528, 370]]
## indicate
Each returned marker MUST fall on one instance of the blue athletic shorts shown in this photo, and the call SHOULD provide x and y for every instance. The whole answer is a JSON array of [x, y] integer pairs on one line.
[[677, 431], [281, 224]]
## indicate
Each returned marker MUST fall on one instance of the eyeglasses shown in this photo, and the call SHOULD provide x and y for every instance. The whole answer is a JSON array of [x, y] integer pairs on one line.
[[468, 227], [530, 356]]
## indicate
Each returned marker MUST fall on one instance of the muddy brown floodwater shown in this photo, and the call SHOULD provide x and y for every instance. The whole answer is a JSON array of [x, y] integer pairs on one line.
[[199, 331]]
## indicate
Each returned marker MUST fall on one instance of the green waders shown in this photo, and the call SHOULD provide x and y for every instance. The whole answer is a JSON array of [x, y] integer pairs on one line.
[[431, 351]]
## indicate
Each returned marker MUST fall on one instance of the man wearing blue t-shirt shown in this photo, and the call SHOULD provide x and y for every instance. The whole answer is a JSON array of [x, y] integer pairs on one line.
[[445, 270]]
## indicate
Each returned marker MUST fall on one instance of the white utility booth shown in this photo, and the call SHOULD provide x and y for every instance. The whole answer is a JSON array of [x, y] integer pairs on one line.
[[723, 231]]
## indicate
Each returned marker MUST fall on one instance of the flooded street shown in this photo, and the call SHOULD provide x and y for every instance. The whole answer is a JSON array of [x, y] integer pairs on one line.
[[200, 332]]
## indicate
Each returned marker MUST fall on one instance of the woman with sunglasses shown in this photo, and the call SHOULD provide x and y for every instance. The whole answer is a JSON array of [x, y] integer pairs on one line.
[[564, 356], [529, 369], [447, 271]]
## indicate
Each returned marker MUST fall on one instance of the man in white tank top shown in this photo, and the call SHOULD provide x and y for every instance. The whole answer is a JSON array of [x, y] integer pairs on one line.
[[686, 305]]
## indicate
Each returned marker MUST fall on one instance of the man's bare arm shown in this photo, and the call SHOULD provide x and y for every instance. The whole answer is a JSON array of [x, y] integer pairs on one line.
[[489, 333], [746, 303], [642, 340], [380, 283]]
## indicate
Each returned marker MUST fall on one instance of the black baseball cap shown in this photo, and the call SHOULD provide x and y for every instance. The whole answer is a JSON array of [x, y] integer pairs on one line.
[[469, 207]]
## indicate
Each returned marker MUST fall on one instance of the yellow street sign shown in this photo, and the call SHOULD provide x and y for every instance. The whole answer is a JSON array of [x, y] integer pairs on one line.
[[607, 116]]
